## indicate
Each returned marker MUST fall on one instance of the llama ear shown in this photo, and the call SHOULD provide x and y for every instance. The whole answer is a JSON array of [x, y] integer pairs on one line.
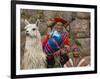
[[25, 27], [37, 22], [26, 22]]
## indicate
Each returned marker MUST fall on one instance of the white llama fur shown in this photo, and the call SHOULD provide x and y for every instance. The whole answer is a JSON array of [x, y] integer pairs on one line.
[[34, 57]]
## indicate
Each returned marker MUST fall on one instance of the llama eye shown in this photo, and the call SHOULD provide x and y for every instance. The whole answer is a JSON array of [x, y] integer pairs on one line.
[[33, 29]]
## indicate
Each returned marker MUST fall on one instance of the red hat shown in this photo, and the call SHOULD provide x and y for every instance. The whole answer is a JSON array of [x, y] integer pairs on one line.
[[60, 20]]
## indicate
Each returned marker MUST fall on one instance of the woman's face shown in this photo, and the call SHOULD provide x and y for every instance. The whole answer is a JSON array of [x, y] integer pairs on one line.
[[59, 28]]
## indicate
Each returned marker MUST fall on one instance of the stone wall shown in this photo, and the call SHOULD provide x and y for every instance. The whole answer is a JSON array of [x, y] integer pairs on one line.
[[79, 25], [81, 28]]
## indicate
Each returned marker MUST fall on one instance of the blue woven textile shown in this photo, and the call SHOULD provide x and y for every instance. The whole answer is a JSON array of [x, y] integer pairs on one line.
[[51, 47]]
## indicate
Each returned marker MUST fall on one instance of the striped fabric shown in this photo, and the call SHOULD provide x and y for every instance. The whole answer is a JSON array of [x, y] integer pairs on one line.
[[50, 47]]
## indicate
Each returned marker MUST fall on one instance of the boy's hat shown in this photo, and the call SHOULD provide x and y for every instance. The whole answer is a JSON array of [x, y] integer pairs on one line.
[[75, 48]]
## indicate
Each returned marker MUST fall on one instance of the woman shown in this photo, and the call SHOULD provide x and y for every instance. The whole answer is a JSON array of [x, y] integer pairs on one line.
[[54, 43]]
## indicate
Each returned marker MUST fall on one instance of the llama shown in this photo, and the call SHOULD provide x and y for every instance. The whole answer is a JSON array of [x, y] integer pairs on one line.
[[34, 57]]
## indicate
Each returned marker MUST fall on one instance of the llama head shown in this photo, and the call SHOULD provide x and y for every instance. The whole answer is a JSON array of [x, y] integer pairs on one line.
[[32, 29]]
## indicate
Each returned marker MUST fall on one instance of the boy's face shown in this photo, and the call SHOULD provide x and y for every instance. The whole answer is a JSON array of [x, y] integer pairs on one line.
[[75, 53]]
